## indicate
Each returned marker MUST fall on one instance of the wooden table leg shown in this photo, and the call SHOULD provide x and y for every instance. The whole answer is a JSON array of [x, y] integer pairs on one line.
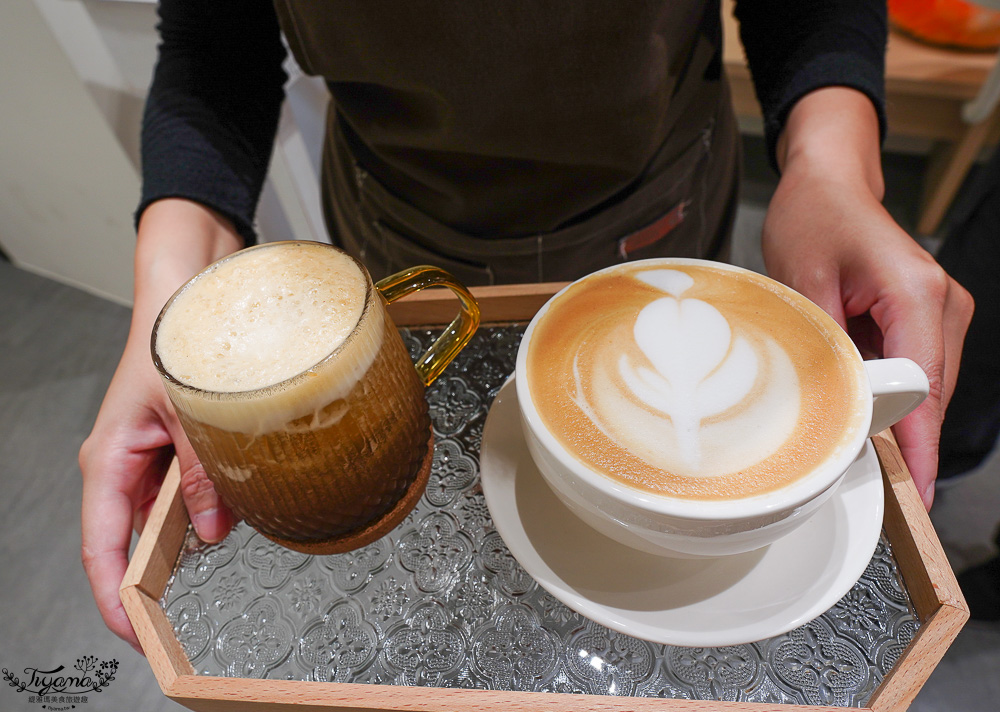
[[949, 164]]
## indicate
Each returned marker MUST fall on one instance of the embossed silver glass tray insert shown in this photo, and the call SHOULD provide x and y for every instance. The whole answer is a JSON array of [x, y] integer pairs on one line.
[[441, 602]]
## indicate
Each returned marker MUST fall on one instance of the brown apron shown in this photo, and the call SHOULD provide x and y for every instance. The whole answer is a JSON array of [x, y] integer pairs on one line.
[[522, 141]]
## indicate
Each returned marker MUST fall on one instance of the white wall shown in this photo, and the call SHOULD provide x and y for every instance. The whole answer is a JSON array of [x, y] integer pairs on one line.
[[67, 187], [112, 46], [74, 83]]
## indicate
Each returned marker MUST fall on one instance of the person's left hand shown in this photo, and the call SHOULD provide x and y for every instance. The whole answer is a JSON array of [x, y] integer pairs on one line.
[[832, 241]]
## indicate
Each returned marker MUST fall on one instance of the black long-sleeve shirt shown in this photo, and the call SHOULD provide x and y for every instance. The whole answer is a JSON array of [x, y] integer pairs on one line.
[[213, 106]]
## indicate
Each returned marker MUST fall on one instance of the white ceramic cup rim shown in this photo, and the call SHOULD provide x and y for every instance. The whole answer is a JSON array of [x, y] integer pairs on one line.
[[793, 495]]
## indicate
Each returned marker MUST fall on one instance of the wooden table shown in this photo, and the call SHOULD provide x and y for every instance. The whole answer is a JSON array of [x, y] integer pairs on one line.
[[926, 89]]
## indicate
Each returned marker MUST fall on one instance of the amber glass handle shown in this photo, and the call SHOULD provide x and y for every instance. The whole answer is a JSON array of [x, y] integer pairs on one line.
[[458, 333]]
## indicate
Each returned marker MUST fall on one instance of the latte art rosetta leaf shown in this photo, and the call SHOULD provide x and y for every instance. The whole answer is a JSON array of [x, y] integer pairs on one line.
[[692, 380], [699, 370]]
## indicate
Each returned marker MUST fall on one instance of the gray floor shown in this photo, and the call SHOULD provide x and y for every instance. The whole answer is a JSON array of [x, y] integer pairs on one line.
[[58, 349]]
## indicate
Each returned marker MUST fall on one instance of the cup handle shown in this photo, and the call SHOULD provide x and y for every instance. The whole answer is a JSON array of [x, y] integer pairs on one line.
[[458, 333], [898, 387]]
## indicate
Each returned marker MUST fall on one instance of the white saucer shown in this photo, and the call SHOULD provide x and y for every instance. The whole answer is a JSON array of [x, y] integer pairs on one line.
[[688, 602]]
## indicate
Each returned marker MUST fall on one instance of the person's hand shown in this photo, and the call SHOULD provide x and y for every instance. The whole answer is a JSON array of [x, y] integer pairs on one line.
[[827, 236], [136, 433]]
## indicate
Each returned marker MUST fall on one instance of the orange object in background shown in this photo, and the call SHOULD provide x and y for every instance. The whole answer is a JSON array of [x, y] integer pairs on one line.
[[949, 23]]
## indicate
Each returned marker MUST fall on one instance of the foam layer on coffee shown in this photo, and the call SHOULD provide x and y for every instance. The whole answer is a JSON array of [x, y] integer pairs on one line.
[[693, 381], [266, 315]]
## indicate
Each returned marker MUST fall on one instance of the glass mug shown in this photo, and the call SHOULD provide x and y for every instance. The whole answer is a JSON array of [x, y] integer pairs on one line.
[[334, 454]]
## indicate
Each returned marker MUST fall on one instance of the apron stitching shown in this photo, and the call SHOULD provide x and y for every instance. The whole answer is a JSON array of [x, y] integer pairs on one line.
[[706, 138], [359, 179]]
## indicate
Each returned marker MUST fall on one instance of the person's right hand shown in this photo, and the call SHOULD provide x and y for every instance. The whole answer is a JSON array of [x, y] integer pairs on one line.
[[136, 433]]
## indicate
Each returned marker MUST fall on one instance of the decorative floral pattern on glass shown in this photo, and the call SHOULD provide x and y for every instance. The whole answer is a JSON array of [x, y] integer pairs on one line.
[[440, 601]]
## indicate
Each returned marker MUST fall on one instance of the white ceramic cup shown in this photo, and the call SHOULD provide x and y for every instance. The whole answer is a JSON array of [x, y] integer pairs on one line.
[[669, 526]]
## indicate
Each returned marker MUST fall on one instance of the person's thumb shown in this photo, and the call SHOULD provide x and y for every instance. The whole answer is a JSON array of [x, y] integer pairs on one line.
[[211, 518]]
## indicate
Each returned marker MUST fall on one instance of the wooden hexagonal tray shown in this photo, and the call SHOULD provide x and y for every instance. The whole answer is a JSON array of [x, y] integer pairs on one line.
[[934, 596]]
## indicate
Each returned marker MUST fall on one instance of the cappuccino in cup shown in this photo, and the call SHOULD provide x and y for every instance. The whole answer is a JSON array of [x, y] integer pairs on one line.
[[687, 407], [298, 395], [694, 381]]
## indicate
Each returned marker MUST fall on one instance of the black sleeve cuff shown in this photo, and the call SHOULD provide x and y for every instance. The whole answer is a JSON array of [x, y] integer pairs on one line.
[[796, 46], [185, 156], [834, 69]]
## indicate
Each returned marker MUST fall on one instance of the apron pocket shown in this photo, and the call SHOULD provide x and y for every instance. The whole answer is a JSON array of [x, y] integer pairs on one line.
[[402, 252]]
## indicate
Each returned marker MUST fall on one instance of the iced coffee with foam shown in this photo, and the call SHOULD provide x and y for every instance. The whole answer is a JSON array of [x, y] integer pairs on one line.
[[297, 393]]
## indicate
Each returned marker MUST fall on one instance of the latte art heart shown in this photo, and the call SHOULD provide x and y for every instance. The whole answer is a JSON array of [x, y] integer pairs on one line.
[[691, 381], [692, 369]]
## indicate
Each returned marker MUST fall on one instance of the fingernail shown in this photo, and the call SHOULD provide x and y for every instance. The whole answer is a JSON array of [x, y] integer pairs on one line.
[[927, 495], [209, 526]]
